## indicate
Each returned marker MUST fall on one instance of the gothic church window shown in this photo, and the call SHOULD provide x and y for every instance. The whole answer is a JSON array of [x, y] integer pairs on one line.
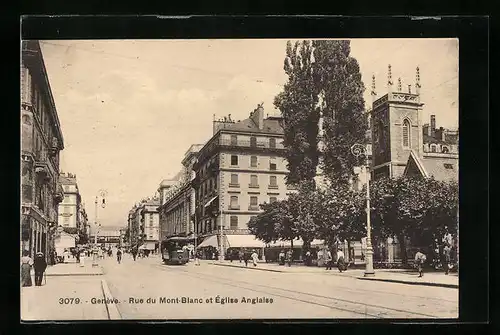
[[406, 134]]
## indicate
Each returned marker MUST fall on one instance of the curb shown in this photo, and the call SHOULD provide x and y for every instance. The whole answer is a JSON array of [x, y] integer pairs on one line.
[[111, 309], [409, 282], [73, 274]]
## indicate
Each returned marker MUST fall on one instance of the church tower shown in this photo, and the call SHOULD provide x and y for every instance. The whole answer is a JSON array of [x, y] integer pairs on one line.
[[396, 128]]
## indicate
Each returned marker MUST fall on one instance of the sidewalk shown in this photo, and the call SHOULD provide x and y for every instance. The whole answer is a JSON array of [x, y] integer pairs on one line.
[[72, 269], [386, 275], [63, 298]]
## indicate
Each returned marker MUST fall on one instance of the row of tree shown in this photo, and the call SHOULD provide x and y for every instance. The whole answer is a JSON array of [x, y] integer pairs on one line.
[[412, 207], [324, 79]]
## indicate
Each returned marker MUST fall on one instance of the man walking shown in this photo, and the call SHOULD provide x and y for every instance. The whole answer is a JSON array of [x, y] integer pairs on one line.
[[119, 255], [39, 265], [328, 259], [134, 253], [255, 257]]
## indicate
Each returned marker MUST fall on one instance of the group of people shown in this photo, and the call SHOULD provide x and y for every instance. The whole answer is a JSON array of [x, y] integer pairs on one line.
[[39, 264], [244, 256], [445, 260]]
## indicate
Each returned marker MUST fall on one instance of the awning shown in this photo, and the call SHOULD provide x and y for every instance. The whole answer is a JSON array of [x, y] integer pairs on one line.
[[296, 243], [243, 241], [210, 241], [210, 201]]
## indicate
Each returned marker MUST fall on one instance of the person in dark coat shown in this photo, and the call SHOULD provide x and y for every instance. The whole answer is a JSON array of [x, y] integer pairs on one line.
[[246, 257], [134, 253], [39, 264]]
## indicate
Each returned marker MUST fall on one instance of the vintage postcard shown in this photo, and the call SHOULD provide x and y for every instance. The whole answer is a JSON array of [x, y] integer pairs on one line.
[[239, 179]]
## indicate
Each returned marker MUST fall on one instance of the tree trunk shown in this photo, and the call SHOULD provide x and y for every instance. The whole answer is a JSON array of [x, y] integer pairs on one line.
[[291, 243], [349, 251], [402, 245]]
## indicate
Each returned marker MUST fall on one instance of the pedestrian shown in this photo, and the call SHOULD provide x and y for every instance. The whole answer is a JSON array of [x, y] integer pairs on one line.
[[281, 257], [288, 257], [447, 259], [240, 255], [119, 255], [82, 258], [77, 255], [134, 253], [340, 260], [308, 258], [26, 264], [328, 259], [39, 264], [246, 257], [419, 261], [255, 257], [65, 255]]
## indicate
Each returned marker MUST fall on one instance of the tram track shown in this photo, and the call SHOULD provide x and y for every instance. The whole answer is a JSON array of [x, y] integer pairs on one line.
[[345, 305]]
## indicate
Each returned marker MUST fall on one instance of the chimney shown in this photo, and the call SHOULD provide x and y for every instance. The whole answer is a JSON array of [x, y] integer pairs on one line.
[[433, 125], [442, 133], [258, 116]]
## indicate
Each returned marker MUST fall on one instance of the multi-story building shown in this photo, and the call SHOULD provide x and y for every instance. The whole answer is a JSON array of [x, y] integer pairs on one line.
[[177, 199], [41, 143], [144, 224], [239, 168], [70, 215]]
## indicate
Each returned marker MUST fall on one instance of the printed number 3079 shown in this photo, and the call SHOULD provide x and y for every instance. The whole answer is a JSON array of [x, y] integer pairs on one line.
[[69, 301]]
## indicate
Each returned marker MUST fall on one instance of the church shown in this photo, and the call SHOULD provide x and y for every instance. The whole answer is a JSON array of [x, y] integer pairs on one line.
[[402, 144]]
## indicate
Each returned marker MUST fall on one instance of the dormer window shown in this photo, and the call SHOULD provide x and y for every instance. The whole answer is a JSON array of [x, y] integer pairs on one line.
[[406, 134]]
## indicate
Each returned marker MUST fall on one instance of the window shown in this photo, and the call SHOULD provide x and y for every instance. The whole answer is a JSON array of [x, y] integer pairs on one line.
[[272, 166], [150, 236], [66, 188], [445, 150], [234, 139], [254, 181], [433, 148], [234, 202], [234, 160], [406, 134], [272, 143], [254, 201], [448, 166], [66, 209], [234, 179], [234, 222], [66, 221], [272, 199], [273, 182], [66, 198], [253, 161], [253, 142]]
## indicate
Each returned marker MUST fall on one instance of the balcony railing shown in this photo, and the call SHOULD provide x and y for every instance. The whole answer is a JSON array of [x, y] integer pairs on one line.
[[249, 144]]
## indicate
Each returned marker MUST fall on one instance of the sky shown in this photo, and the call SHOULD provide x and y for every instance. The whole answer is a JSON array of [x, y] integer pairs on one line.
[[129, 109]]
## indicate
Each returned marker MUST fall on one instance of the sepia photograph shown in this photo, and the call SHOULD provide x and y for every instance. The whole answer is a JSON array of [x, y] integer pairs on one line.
[[198, 179]]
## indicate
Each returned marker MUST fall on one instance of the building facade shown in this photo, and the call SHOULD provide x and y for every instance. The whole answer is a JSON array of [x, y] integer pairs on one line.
[[144, 224], [108, 237], [41, 143], [70, 209], [178, 200], [239, 168]]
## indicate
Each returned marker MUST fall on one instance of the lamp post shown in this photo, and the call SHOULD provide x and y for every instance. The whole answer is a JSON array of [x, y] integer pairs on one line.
[[103, 194], [360, 150]]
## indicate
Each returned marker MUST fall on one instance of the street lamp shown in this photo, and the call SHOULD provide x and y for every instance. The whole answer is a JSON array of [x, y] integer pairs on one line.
[[102, 194], [360, 150]]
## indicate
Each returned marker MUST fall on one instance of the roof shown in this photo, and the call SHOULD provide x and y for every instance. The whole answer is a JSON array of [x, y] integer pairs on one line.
[[441, 168], [449, 139], [248, 125]]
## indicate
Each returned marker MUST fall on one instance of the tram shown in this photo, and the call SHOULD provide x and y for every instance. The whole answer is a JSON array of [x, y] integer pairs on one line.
[[175, 251]]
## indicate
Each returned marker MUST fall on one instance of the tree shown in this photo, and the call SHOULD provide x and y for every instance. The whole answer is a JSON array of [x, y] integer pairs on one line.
[[338, 78], [273, 223], [414, 207], [298, 105]]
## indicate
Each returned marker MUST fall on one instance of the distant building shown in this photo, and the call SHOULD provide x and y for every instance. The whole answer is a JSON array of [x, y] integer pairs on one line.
[[108, 237], [239, 168], [144, 224], [70, 209], [177, 199], [41, 143]]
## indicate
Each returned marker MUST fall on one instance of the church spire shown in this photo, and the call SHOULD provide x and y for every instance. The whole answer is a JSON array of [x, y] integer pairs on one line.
[[389, 78], [417, 82], [399, 85], [374, 92]]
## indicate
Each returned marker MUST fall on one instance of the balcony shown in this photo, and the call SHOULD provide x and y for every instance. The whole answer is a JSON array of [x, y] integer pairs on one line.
[[253, 185], [249, 145], [234, 207], [253, 208], [273, 187]]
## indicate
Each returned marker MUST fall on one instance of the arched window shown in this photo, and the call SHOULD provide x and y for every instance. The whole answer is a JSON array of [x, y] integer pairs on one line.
[[433, 148], [406, 134]]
